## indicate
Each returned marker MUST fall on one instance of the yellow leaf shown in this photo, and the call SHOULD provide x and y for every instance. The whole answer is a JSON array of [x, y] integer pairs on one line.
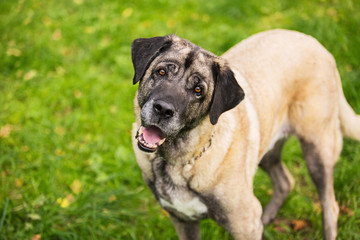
[[127, 12], [76, 186], [47, 21], [317, 206], [113, 109], [13, 52], [65, 202], [89, 29], [164, 212], [18, 182]]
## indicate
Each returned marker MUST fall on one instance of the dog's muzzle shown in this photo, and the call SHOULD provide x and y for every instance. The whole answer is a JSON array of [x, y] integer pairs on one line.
[[150, 138]]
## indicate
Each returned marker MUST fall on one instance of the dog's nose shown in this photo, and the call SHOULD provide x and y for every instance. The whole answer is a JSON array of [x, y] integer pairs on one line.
[[164, 109]]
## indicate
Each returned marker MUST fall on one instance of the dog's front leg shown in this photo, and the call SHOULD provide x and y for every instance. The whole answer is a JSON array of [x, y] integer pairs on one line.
[[245, 221], [186, 230]]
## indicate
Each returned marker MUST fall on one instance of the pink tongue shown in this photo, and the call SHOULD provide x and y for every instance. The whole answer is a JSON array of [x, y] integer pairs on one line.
[[152, 134]]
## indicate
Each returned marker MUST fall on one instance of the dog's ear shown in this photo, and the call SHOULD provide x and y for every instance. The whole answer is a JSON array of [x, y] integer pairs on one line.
[[227, 92], [144, 51]]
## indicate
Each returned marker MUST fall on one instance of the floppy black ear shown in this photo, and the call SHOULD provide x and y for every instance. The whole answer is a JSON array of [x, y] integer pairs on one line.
[[144, 51], [227, 92]]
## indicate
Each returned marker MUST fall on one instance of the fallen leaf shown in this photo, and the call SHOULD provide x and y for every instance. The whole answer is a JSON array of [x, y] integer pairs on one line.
[[113, 109], [317, 206], [36, 237], [164, 212], [13, 52], [70, 197], [29, 75], [127, 12], [18, 182], [77, 94], [346, 211], [47, 21], [65, 202], [269, 192], [5, 131], [112, 198], [280, 229], [56, 35], [298, 224], [76, 186], [89, 30]]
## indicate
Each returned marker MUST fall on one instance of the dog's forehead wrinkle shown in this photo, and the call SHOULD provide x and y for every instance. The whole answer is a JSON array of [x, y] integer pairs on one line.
[[185, 51], [201, 58]]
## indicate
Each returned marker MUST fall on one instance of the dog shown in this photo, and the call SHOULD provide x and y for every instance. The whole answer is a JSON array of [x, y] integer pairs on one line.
[[204, 124]]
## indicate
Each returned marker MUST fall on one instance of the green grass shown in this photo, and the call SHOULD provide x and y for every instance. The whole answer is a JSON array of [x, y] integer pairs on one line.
[[67, 170]]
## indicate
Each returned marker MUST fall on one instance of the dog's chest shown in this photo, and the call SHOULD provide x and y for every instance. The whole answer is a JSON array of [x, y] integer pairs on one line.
[[174, 195], [187, 208]]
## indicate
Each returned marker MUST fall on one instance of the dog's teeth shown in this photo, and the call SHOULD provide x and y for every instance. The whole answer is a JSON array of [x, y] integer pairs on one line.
[[140, 138], [161, 141]]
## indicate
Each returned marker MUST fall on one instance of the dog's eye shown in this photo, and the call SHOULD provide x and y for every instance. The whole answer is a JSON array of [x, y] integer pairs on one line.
[[198, 91], [162, 72]]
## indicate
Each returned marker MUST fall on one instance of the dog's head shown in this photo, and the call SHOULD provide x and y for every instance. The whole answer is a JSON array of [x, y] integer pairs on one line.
[[180, 84]]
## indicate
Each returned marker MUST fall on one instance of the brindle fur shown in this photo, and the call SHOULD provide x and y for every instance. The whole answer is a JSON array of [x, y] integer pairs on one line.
[[291, 85]]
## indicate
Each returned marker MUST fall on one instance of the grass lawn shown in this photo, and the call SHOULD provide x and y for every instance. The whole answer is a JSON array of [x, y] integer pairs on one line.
[[67, 170]]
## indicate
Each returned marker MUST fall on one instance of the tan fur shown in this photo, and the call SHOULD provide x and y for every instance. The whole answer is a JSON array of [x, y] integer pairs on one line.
[[289, 79]]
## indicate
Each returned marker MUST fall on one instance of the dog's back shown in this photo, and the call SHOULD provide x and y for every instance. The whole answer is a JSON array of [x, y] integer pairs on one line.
[[306, 84], [295, 87]]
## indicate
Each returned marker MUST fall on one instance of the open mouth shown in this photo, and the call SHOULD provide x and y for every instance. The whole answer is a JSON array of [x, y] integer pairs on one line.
[[150, 138]]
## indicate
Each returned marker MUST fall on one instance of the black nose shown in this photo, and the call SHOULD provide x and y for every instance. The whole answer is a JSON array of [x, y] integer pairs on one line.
[[163, 109]]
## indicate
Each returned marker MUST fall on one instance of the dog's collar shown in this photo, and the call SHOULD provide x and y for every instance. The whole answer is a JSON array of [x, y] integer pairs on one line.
[[205, 148]]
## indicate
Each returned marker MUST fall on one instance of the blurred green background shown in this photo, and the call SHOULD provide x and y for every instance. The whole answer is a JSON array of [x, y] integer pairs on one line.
[[67, 170]]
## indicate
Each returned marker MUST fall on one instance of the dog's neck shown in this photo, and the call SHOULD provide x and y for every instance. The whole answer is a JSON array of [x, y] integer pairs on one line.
[[188, 146], [201, 153]]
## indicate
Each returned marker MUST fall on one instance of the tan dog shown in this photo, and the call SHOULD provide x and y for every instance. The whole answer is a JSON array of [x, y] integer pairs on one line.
[[204, 124]]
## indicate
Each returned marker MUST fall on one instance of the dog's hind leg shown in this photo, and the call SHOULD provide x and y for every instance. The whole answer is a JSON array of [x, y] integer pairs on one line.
[[321, 156], [281, 179]]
